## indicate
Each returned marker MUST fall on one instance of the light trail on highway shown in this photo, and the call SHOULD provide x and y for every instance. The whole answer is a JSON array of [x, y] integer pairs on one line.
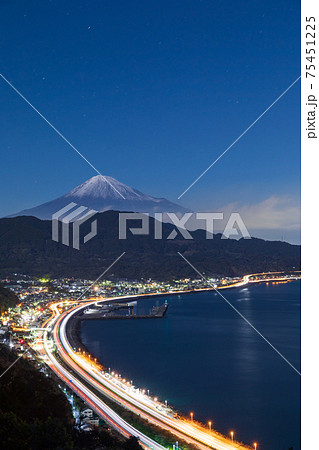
[[133, 401], [88, 396], [127, 396]]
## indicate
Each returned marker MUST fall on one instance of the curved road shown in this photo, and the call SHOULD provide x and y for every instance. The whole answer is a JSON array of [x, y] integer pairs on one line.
[[132, 398], [89, 397], [123, 393]]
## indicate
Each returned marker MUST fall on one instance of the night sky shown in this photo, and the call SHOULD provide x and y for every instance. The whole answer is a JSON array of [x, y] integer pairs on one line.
[[152, 93]]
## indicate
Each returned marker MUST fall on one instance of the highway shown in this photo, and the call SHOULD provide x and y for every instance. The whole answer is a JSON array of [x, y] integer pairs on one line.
[[104, 411], [132, 398], [79, 372]]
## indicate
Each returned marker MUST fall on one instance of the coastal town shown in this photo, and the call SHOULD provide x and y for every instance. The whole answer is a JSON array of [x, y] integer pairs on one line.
[[36, 294], [33, 328]]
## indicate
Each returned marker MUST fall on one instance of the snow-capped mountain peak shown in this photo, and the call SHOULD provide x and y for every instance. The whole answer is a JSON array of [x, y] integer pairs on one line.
[[103, 193], [106, 187]]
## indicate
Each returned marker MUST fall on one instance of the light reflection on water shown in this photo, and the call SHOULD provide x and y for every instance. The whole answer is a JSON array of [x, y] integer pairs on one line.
[[202, 356]]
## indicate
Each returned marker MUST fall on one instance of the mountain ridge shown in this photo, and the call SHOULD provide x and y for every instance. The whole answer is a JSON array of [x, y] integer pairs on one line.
[[103, 193], [26, 246]]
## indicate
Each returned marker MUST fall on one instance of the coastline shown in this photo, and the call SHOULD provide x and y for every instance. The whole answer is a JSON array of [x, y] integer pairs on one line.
[[73, 330], [77, 328]]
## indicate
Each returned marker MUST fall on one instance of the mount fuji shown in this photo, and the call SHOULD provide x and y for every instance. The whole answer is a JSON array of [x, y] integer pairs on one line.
[[103, 193]]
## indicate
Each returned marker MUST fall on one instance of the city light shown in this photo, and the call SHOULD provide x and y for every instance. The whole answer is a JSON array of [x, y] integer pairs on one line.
[[33, 313]]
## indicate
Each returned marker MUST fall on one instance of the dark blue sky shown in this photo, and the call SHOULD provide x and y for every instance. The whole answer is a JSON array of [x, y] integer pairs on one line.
[[151, 93]]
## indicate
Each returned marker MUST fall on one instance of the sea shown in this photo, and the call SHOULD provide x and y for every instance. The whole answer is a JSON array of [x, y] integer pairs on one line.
[[239, 371]]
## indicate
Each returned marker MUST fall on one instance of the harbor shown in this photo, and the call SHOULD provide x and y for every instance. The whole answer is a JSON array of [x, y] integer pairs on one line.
[[121, 311]]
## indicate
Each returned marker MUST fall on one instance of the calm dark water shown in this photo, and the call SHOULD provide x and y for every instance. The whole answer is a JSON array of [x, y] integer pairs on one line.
[[203, 357]]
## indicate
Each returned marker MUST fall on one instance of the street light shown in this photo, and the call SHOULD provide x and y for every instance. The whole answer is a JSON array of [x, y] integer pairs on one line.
[[255, 445], [192, 416], [232, 436], [210, 425]]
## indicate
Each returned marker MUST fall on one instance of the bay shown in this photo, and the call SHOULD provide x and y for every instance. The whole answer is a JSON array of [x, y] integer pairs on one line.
[[202, 357]]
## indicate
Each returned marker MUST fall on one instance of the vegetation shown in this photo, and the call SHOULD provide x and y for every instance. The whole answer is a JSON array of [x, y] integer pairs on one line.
[[8, 299], [156, 433], [35, 414], [27, 248]]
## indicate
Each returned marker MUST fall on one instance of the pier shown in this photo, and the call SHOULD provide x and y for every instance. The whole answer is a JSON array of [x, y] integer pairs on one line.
[[157, 312]]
